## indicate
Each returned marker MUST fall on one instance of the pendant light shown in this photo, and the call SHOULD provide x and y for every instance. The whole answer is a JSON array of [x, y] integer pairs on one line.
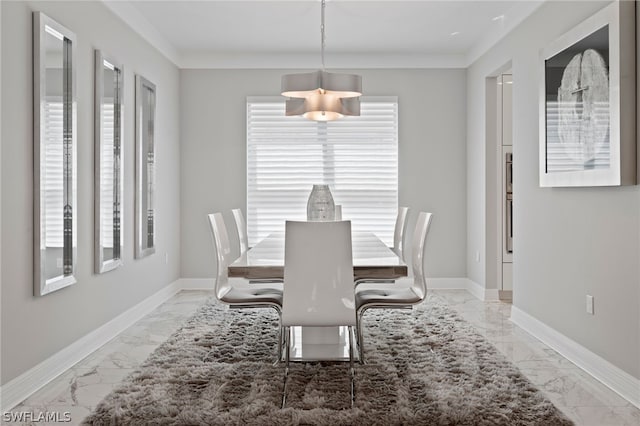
[[321, 95]]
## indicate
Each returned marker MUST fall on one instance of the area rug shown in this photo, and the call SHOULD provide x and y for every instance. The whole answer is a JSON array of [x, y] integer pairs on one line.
[[425, 367]]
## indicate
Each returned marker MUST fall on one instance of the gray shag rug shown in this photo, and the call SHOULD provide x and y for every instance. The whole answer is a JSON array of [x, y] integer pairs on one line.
[[426, 367]]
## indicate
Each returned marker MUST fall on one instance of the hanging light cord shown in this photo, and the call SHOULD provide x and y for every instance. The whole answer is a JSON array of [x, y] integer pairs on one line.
[[322, 33]]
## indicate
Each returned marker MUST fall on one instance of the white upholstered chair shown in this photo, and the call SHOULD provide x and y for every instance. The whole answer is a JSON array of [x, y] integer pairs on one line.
[[318, 281], [404, 292], [241, 228], [239, 292]]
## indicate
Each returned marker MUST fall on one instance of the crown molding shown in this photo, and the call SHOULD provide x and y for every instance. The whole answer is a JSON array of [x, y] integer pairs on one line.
[[278, 60], [310, 61], [138, 23]]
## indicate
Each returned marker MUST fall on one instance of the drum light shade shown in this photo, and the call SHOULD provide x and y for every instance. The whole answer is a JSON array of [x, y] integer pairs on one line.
[[322, 107], [303, 85], [321, 95]]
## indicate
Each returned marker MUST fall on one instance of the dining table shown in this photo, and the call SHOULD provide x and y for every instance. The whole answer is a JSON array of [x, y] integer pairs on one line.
[[372, 259]]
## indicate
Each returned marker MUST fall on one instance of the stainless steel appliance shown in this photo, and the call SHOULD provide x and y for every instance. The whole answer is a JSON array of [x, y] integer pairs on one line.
[[509, 201]]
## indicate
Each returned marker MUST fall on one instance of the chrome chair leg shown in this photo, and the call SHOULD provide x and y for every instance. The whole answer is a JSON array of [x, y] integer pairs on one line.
[[359, 336], [286, 366], [280, 336], [351, 370], [280, 345]]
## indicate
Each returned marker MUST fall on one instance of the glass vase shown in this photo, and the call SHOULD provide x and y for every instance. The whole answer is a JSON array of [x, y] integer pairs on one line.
[[320, 206]]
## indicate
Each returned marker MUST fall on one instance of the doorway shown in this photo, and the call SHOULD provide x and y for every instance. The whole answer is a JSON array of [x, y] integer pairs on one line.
[[504, 148]]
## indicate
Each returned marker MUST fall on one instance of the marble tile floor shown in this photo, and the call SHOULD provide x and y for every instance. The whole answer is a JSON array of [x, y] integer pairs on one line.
[[582, 398]]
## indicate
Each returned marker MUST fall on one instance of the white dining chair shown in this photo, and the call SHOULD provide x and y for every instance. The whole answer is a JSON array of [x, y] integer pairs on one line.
[[318, 282], [404, 292], [241, 229], [243, 240], [399, 231], [398, 244], [240, 292]]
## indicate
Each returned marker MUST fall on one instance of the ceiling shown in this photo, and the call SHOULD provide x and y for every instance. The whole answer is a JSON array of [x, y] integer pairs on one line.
[[359, 33]]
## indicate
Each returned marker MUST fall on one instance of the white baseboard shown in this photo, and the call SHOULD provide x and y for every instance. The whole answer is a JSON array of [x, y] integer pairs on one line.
[[505, 295], [447, 283], [476, 289], [197, 283], [18, 389], [491, 294], [613, 377], [484, 294]]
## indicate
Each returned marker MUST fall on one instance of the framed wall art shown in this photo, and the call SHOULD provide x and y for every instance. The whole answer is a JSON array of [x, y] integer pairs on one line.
[[588, 102], [145, 167], [109, 177], [54, 156]]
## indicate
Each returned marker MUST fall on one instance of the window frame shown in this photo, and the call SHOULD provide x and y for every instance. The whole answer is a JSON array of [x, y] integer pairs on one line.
[[334, 133]]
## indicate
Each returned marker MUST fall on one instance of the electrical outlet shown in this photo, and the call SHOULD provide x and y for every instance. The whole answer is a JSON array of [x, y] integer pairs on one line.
[[589, 304], [166, 258], [59, 262], [477, 256]]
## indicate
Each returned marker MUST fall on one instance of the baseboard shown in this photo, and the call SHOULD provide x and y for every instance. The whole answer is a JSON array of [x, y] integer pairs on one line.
[[505, 295], [613, 377], [447, 283], [18, 389], [197, 283], [484, 294], [491, 294]]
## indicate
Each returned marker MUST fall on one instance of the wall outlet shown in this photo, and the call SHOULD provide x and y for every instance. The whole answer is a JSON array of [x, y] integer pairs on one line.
[[59, 262], [166, 258], [589, 304], [477, 256]]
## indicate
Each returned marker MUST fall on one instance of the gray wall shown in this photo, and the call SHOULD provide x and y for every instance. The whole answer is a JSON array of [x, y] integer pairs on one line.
[[34, 328], [1, 97], [568, 242], [431, 155]]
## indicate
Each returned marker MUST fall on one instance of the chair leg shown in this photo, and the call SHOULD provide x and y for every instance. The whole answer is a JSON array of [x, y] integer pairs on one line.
[[286, 365], [280, 336], [351, 370], [359, 336], [280, 344]]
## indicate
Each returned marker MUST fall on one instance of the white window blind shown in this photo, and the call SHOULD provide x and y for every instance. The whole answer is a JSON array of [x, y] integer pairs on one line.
[[356, 156], [53, 181], [106, 177]]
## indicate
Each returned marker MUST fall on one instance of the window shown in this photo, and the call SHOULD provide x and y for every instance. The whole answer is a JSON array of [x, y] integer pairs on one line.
[[356, 156]]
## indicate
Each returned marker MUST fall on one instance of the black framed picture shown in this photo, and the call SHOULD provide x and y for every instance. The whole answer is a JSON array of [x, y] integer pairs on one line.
[[587, 102]]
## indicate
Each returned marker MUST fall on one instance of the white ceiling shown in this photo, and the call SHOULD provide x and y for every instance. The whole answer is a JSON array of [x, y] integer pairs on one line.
[[359, 33]]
